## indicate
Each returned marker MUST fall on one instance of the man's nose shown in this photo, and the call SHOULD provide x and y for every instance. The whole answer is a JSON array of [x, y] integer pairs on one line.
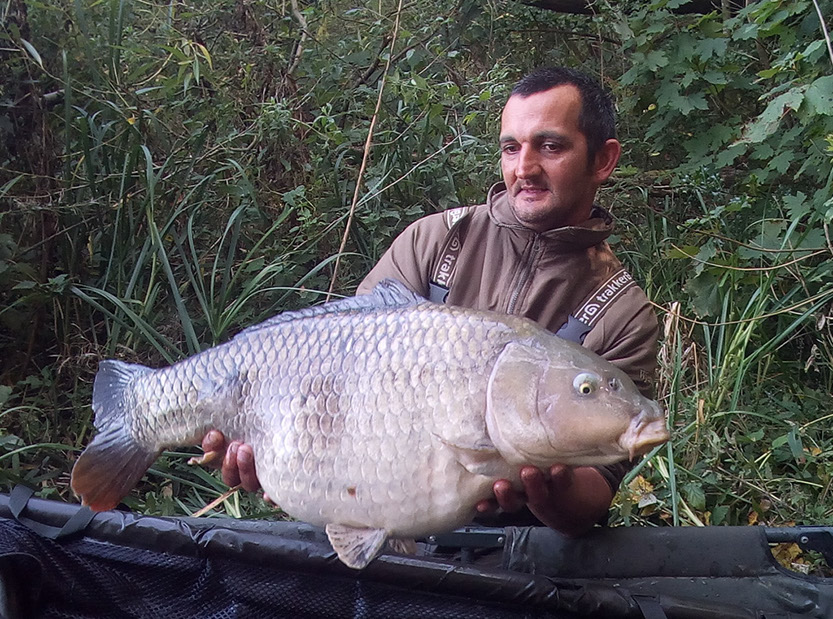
[[528, 164]]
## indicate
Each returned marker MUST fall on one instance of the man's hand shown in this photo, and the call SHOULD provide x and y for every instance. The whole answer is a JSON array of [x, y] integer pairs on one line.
[[569, 500], [238, 460]]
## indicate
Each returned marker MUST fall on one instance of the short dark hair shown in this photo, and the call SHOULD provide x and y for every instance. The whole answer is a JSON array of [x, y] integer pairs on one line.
[[597, 119]]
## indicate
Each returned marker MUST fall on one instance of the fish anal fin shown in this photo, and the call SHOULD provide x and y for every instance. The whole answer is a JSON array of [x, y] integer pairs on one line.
[[354, 546], [403, 546], [479, 458], [109, 468]]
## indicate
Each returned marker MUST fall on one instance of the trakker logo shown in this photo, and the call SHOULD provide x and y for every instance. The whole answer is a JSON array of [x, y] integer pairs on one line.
[[612, 288], [446, 265]]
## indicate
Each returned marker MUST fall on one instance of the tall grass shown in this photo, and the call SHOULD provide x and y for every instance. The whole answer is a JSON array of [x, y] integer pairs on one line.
[[745, 368]]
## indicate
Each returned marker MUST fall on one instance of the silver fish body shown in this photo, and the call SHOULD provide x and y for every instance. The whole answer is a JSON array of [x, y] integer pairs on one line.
[[383, 416]]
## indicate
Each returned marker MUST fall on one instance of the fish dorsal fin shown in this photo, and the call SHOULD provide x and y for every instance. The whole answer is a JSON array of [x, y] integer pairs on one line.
[[389, 293], [355, 547]]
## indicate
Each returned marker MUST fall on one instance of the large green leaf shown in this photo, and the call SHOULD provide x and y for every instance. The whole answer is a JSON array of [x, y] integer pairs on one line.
[[766, 124], [819, 96]]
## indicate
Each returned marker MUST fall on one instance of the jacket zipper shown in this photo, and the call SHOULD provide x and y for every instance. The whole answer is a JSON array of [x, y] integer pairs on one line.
[[527, 262]]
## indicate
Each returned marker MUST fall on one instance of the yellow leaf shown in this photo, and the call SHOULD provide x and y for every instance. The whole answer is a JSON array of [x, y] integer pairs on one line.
[[642, 492], [205, 53], [131, 120], [788, 555], [640, 485], [752, 519]]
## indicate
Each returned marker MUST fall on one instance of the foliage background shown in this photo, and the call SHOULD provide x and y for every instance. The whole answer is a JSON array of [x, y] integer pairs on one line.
[[171, 172]]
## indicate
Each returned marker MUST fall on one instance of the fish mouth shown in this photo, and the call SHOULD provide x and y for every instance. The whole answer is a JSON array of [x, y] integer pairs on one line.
[[645, 432]]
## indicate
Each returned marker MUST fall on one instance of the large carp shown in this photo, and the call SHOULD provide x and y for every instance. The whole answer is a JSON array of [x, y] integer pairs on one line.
[[378, 416]]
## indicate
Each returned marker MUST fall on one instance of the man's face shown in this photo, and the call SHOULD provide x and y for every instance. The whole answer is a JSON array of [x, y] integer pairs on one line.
[[544, 159]]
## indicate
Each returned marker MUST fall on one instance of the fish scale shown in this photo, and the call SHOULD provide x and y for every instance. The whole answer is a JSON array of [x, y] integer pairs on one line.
[[383, 416]]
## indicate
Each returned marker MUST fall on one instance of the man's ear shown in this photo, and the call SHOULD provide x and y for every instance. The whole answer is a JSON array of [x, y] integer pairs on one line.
[[606, 160]]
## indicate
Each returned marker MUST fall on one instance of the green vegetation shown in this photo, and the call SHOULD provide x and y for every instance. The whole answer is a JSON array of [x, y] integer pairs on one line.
[[171, 173]]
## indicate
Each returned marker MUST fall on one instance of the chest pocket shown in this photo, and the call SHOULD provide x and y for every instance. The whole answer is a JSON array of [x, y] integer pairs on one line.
[[579, 323]]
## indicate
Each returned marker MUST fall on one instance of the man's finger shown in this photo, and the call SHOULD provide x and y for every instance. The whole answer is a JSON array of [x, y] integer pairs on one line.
[[536, 485], [561, 478], [507, 497], [213, 441], [231, 473], [486, 506], [246, 468]]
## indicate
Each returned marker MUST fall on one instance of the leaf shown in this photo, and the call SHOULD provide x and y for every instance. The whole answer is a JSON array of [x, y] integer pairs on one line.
[[797, 206], [204, 51], [763, 151], [668, 93], [695, 495], [32, 52], [655, 60], [796, 447], [728, 155], [766, 124], [786, 554], [770, 237], [677, 253], [669, 96], [143, 91], [746, 31], [5, 392], [719, 514], [712, 47], [696, 101], [705, 254], [715, 77], [294, 197], [819, 96], [756, 436], [705, 294], [781, 162]]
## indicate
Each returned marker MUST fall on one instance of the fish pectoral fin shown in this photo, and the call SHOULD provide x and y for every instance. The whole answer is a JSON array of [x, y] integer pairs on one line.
[[403, 546], [480, 458], [355, 547]]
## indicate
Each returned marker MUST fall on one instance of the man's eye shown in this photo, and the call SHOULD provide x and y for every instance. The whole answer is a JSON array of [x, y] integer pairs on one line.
[[550, 147], [509, 148]]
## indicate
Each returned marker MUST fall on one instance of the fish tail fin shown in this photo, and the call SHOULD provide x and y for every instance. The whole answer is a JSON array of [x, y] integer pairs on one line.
[[114, 461]]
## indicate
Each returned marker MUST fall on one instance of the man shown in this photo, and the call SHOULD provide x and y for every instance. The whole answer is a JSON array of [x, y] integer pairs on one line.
[[537, 249]]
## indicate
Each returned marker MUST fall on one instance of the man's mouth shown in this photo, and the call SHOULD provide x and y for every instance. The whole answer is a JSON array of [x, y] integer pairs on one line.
[[530, 190]]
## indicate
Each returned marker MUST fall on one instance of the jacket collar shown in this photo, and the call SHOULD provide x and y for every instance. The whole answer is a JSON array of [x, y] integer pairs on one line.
[[591, 232]]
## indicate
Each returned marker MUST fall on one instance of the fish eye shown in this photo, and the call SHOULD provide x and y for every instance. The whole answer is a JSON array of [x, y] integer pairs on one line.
[[586, 383]]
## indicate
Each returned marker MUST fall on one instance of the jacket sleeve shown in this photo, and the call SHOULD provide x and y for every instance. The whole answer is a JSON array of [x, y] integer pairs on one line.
[[410, 257]]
